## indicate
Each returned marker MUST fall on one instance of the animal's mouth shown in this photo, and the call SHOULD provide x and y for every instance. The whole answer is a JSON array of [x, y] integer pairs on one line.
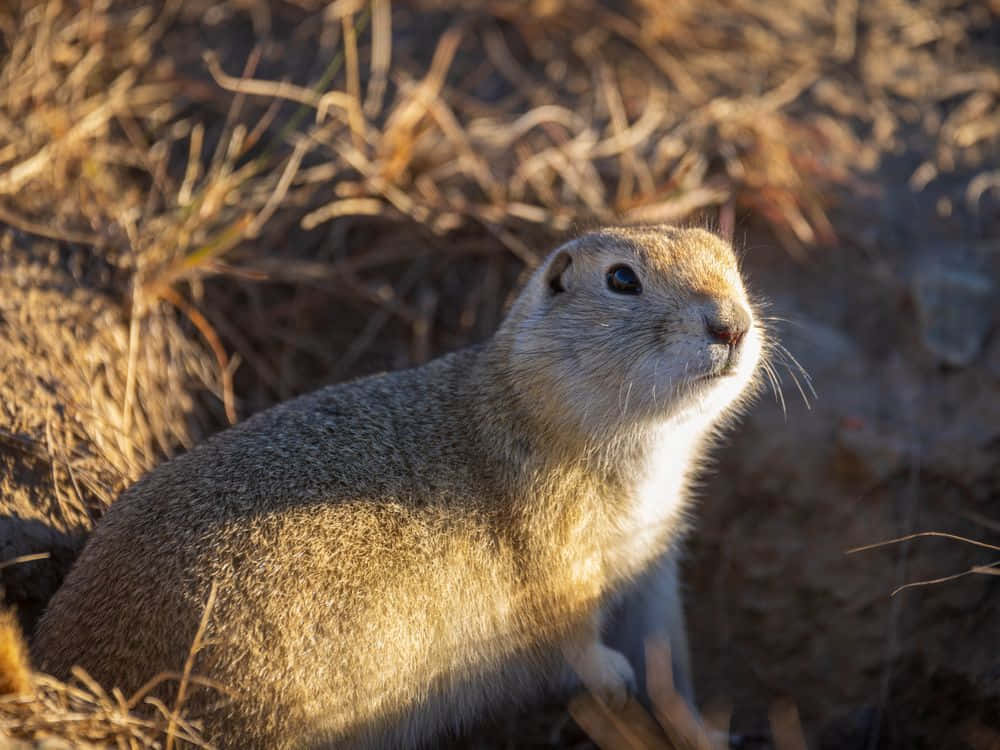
[[728, 368], [722, 364], [732, 366]]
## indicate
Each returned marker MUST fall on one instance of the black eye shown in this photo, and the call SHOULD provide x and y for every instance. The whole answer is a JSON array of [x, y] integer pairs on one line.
[[623, 280]]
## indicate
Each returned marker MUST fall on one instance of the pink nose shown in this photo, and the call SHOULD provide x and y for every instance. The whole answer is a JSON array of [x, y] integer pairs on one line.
[[728, 325], [726, 334]]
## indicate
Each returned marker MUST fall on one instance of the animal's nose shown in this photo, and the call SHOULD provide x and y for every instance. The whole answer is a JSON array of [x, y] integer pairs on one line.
[[728, 323]]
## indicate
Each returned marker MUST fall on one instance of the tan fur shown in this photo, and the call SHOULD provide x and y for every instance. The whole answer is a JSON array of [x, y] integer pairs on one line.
[[15, 671], [399, 555]]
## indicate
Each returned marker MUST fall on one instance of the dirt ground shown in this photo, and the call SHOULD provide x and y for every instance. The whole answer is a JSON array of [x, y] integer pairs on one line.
[[139, 314]]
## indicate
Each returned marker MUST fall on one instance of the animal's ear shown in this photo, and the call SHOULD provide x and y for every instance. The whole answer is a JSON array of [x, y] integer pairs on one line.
[[555, 274]]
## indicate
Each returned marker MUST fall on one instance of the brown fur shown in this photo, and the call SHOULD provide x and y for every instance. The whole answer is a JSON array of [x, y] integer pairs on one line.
[[15, 671], [397, 555]]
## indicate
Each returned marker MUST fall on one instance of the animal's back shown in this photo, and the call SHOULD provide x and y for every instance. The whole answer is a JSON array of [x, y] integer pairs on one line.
[[327, 519]]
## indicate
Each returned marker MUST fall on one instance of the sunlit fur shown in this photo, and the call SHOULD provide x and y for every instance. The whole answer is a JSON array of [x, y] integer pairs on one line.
[[15, 672], [399, 555]]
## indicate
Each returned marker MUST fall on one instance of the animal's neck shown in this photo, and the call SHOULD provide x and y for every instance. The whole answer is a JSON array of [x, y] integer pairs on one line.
[[619, 495], [654, 508], [623, 504]]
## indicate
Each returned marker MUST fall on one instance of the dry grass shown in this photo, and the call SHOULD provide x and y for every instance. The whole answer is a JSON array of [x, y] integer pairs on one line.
[[82, 712], [521, 125], [990, 568], [38, 708], [671, 724], [150, 208]]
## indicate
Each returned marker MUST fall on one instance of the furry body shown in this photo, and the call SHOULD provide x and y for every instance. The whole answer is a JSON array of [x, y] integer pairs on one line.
[[397, 555]]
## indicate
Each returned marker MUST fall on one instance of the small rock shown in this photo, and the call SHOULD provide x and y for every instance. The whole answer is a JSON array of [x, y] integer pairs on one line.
[[955, 308]]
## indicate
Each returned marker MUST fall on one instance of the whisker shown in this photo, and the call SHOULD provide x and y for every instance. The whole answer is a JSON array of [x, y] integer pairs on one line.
[[779, 391], [778, 319], [656, 376], [798, 385], [775, 381], [805, 374]]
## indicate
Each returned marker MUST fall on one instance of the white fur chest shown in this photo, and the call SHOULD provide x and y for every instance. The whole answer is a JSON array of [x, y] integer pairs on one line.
[[660, 495]]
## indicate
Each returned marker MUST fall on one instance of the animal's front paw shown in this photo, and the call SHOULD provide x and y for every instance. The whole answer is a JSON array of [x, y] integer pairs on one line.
[[607, 674]]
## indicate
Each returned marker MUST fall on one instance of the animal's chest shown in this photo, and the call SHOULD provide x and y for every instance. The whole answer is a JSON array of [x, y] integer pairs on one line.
[[613, 529], [656, 506]]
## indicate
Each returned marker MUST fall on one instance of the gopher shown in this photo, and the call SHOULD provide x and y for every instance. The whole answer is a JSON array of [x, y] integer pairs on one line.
[[397, 556]]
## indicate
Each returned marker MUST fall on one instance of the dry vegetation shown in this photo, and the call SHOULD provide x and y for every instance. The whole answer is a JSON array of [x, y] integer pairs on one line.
[[82, 714], [156, 202]]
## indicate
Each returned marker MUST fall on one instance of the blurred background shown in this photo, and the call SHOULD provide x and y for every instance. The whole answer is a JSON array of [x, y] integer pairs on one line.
[[209, 206]]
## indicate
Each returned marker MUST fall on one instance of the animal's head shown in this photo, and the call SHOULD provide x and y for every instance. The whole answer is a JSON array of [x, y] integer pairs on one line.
[[627, 326]]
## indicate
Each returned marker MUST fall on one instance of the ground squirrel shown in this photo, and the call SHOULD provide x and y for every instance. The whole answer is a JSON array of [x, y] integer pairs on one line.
[[398, 555]]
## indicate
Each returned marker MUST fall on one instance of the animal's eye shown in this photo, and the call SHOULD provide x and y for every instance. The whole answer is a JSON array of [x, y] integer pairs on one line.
[[623, 280]]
